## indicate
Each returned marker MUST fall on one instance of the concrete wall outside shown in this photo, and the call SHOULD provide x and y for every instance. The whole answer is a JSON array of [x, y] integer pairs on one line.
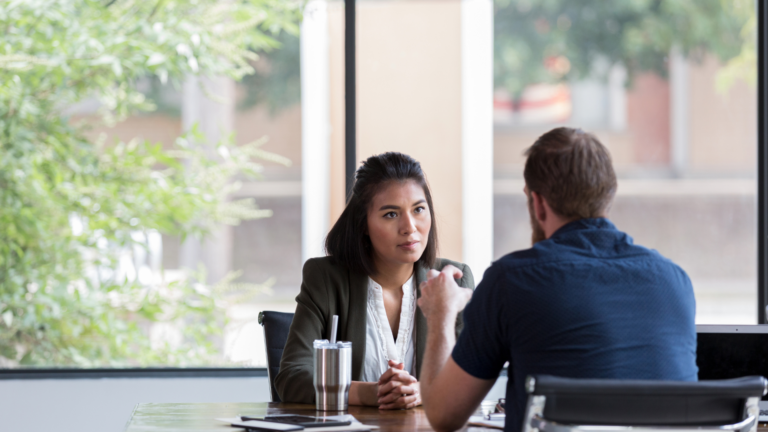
[[723, 124]]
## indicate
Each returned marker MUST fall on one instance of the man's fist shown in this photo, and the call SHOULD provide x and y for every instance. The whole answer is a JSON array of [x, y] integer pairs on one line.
[[441, 296]]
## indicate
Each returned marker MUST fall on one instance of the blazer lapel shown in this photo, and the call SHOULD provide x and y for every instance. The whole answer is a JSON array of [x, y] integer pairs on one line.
[[357, 322], [421, 321]]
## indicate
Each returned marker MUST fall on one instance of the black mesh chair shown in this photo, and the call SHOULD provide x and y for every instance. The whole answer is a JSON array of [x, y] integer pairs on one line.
[[276, 326], [592, 405]]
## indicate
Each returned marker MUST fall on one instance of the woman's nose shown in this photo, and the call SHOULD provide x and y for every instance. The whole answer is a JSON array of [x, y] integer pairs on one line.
[[407, 224]]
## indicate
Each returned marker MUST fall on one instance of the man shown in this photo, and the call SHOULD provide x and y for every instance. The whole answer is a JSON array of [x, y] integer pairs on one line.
[[583, 302]]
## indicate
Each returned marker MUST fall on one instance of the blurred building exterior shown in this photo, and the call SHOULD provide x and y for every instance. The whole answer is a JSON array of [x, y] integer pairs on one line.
[[685, 155]]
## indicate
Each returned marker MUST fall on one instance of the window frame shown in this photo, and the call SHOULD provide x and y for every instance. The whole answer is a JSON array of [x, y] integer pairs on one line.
[[350, 144], [350, 95], [762, 158], [96, 373], [350, 163]]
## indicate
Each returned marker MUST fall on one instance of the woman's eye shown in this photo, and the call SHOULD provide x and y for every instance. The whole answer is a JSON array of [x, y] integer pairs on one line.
[[420, 209], [390, 215]]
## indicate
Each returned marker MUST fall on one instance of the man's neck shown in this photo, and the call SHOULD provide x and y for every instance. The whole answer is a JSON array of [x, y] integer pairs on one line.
[[555, 224], [558, 222]]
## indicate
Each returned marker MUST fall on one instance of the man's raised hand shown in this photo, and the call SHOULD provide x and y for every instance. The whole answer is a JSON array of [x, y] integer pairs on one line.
[[441, 297]]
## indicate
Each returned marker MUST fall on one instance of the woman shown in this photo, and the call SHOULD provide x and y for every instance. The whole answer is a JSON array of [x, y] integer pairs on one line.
[[379, 251]]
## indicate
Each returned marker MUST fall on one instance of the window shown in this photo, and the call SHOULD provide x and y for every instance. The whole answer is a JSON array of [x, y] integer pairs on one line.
[[118, 122], [677, 109]]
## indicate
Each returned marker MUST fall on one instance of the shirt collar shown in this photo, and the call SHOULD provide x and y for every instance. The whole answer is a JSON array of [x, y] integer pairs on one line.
[[407, 287], [584, 224]]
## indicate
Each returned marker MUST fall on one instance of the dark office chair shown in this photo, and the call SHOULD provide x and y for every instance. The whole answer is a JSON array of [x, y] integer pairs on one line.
[[592, 405], [276, 325]]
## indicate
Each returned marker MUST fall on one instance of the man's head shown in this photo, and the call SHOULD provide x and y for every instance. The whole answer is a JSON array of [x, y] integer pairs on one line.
[[568, 176]]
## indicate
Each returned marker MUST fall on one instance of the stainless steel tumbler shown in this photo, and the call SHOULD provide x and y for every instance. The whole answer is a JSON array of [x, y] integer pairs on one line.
[[333, 375]]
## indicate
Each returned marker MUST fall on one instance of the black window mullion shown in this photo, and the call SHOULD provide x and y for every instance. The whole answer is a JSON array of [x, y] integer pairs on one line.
[[350, 119], [762, 157]]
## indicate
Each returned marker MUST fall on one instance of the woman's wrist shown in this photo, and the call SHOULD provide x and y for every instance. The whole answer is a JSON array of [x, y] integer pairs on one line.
[[363, 393]]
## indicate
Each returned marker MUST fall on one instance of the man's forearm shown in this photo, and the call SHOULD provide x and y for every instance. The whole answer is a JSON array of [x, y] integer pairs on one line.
[[441, 338], [441, 378]]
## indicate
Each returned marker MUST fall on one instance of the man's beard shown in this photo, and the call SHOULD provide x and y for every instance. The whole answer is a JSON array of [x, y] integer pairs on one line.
[[537, 233]]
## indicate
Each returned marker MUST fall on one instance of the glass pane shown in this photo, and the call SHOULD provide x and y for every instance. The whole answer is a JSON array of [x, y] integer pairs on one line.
[[409, 97], [675, 106], [131, 127]]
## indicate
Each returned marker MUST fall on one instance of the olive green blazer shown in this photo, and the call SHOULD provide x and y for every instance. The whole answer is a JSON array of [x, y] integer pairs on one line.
[[329, 289]]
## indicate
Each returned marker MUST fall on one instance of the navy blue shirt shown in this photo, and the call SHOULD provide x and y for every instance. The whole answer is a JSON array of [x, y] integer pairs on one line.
[[585, 303]]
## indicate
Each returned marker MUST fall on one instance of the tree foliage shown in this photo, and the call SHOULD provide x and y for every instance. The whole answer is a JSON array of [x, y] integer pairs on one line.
[[274, 84], [75, 216], [553, 40], [278, 84]]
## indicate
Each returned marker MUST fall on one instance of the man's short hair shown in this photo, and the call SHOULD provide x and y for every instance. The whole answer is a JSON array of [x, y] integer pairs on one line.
[[572, 170]]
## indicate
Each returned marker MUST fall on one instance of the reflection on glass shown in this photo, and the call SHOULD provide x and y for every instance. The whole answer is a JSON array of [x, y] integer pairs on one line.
[[121, 136], [264, 252], [675, 105], [668, 86]]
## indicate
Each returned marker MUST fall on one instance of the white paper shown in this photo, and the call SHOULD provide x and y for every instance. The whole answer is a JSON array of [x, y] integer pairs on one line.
[[482, 421], [355, 426]]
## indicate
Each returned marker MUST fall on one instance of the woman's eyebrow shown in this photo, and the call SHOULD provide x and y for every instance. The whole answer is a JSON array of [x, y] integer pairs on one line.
[[389, 207], [394, 207]]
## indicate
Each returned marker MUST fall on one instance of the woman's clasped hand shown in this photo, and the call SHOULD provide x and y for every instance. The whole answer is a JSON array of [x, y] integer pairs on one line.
[[397, 389]]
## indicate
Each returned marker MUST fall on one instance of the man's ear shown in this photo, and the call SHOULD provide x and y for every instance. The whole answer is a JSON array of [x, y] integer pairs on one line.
[[539, 210]]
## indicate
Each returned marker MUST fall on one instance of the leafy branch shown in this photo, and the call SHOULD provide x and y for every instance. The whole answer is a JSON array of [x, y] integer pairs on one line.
[[79, 220]]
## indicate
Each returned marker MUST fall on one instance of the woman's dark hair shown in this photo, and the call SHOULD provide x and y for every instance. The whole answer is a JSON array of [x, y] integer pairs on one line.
[[348, 241]]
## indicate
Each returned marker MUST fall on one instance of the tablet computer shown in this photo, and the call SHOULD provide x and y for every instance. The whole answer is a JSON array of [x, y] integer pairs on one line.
[[261, 425]]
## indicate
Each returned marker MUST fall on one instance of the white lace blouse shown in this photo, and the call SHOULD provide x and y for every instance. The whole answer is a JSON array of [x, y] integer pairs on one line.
[[380, 345]]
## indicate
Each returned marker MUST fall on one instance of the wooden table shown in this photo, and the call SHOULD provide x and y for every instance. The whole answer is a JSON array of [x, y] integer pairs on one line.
[[200, 417]]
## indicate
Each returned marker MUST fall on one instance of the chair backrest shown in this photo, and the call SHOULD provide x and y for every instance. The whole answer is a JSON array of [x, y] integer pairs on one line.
[[562, 404], [276, 326]]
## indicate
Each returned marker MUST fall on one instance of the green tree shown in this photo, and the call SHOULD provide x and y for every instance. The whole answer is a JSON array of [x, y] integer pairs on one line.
[[71, 210], [533, 37], [278, 83], [275, 82]]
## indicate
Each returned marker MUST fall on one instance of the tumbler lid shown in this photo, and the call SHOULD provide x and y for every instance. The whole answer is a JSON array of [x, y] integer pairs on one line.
[[325, 344]]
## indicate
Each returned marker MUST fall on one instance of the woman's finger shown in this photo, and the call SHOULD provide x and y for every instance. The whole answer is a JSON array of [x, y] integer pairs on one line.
[[396, 374], [396, 387], [413, 404], [400, 403], [387, 375], [403, 378], [387, 388], [391, 385], [396, 393]]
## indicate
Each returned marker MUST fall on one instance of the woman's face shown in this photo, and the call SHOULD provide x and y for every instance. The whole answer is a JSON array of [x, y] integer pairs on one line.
[[398, 224]]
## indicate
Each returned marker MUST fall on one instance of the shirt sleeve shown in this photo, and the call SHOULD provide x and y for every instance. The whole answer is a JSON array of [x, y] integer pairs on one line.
[[481, 349]]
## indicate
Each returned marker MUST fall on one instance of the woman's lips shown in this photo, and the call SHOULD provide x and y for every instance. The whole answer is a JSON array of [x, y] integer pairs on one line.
[[409, 245]]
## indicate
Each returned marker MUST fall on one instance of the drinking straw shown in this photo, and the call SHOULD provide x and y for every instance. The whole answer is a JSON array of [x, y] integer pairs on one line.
[[334, 327]]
